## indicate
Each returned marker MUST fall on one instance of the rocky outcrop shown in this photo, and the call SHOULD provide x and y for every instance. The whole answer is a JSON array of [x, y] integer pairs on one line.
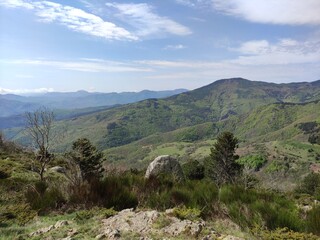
[[145, 223], [44, 230], [165, 164]]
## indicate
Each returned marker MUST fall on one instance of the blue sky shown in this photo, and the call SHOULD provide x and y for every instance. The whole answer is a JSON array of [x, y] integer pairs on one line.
[[159, 44]]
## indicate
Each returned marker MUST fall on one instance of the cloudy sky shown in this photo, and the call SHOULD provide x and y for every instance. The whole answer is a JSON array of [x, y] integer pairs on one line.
[[105, 46]]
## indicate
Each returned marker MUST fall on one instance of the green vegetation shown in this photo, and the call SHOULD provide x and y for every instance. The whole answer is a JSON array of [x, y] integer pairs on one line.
[[86, 156], [252, 161], [222, 165], [276, 128]]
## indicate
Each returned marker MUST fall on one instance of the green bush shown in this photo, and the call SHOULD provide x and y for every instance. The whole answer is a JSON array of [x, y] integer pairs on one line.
[[112, 191], [18, 213], [84, 215], [193, 170], [313, 220], [281, 234], [252, 161], [251, 207], [310, 185], [42, 198], [187, 213]]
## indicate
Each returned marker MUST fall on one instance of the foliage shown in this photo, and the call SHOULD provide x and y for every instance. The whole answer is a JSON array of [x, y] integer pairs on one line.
[[193, 170], [313, 220], [42, 198], [87, 157], [314, 138], [161, 222], [252, 161], [308, 127], [222, 164], [4, 174], [311, 185], [110, 192], [84, 215], [250, 207], [274, 166], [187, 213], [281, 234]]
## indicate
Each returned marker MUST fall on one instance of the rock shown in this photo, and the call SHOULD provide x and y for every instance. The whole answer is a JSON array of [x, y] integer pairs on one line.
[[143, 224], [41, 231], [72, 232], [165, 164], [48, 229], [61, 223], [229, 237], [101, 236], [112, 233], [58, 169], [177, 227]]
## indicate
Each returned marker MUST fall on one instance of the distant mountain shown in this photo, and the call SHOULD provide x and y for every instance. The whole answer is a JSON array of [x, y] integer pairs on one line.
[[214, 103], [11, 104], [9, 107]]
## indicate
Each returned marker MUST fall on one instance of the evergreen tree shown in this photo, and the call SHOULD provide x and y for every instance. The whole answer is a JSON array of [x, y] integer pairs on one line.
[[222, 164], [88, 158]]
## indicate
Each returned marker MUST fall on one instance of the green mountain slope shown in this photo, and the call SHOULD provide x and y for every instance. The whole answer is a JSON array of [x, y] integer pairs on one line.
[[274, 122], [221, 100], [215, 102]]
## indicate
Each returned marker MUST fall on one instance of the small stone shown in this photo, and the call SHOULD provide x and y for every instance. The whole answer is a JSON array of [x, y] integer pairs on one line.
[[101, 236], [58, 169], [61, 223]]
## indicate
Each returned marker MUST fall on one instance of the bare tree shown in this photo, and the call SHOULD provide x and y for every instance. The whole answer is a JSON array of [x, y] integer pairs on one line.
[[39, 126]]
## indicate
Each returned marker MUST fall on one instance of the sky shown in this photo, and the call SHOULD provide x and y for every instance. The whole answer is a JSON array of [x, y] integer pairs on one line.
[[116, 46]]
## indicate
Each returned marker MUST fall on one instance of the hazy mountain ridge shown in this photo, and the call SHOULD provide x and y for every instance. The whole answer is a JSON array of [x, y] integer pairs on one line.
[[15, 104], [68, 105]]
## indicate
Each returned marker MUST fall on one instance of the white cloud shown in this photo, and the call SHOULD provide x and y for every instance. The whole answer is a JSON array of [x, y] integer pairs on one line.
[[254, 47], [73, 18], [285, 51], [25, 91], [285, 60], [85, 65], [292, 12], [16, 3], [142, 17], [195, 3], [174, 47]]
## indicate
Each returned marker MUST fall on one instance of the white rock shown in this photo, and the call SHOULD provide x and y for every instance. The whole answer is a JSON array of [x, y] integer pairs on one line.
[[165, 164]]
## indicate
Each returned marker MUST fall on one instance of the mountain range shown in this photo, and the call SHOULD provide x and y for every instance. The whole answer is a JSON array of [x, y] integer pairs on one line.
[[69, 104]]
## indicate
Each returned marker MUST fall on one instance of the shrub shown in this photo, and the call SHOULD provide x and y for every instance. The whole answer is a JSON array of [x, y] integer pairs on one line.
[[193, 170], [17, 213], [4, 174], [187, 213], [310, 184], [42, 198], [161, 222], [112, 191], [252, 161], [313, 220], [250, 207], [84, 215], [282, 233]]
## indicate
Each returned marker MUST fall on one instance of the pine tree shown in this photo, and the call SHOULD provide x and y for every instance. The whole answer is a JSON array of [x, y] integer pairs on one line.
[[222, 164], [88, 158]]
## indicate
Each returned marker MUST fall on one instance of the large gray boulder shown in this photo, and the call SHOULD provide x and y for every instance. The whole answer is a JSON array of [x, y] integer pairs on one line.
[[167, 165]]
